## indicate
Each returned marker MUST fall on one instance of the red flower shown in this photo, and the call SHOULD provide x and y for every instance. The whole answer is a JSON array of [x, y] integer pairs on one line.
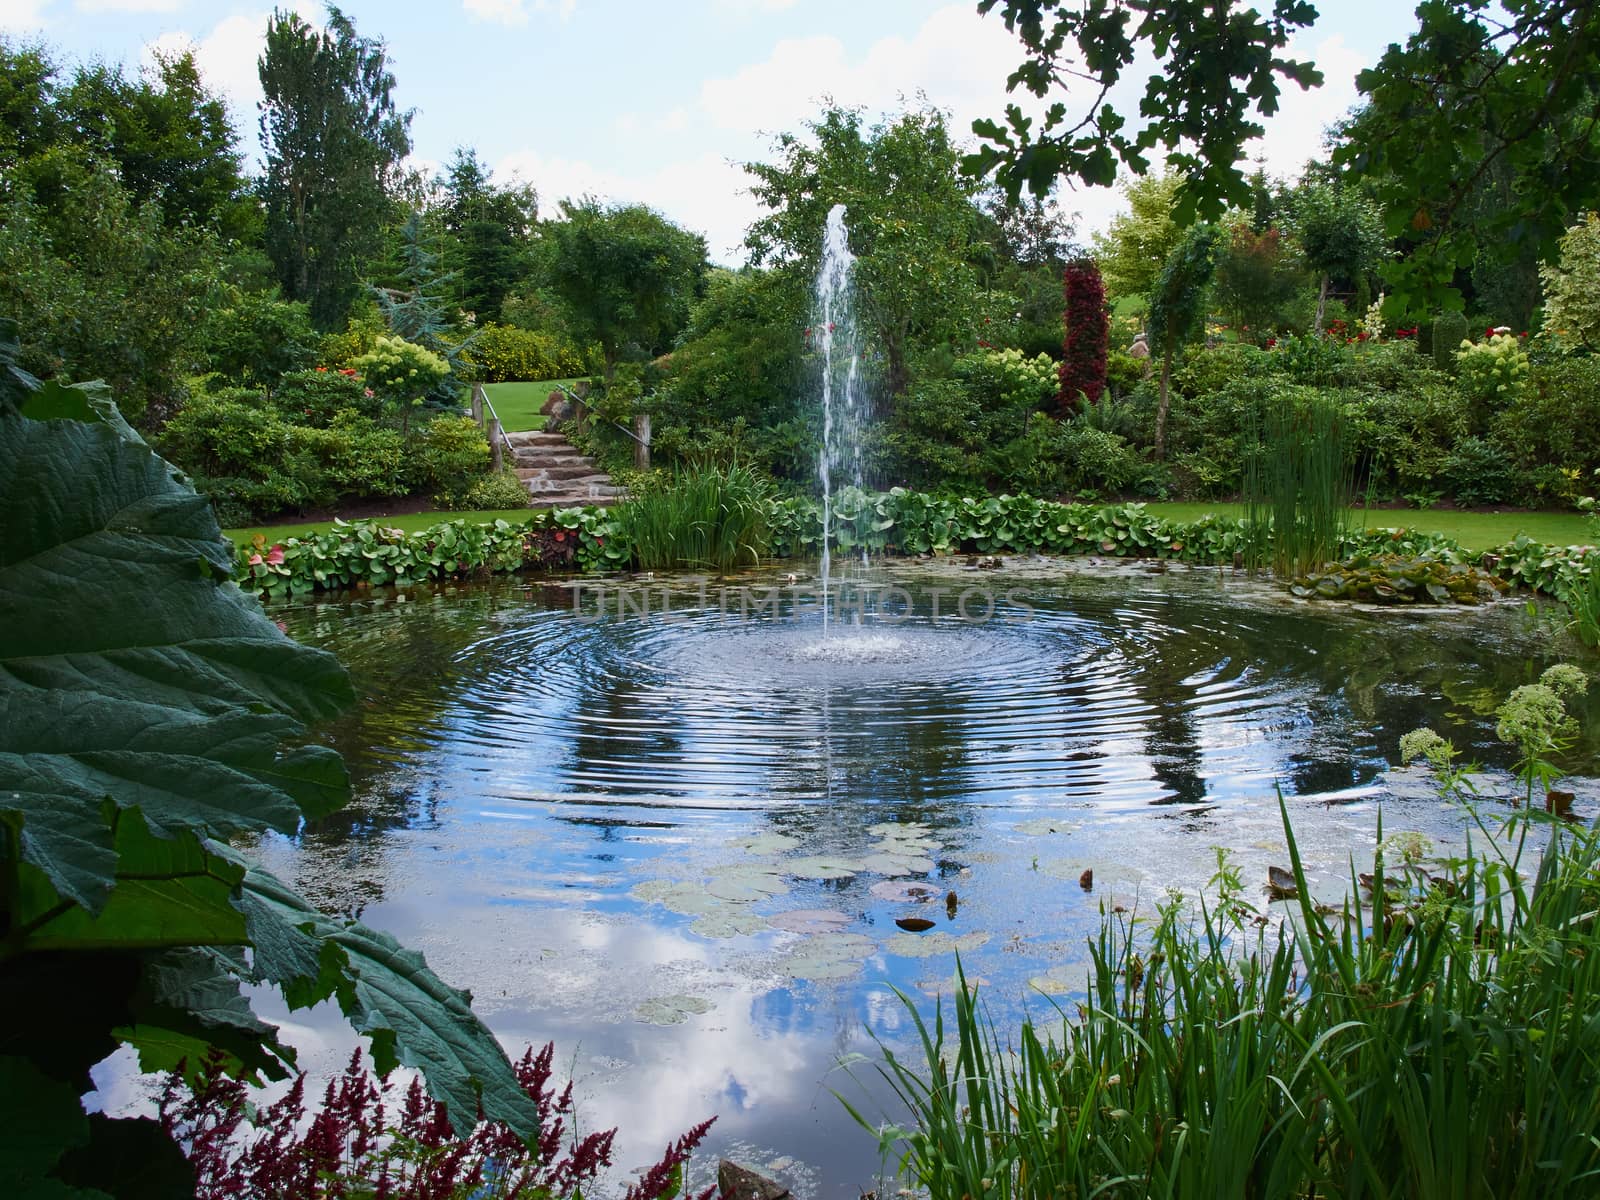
[[322, 368], [561, 537], [599, 541]]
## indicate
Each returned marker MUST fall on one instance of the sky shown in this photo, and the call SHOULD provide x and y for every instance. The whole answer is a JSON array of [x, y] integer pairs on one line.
[[660, 101]]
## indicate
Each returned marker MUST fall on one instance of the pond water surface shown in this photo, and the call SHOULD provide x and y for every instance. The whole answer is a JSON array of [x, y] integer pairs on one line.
[[677, 841]]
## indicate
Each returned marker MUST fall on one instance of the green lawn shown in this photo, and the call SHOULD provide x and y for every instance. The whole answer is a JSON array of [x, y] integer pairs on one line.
[[518, 404], [410, 522], [1475, 531]]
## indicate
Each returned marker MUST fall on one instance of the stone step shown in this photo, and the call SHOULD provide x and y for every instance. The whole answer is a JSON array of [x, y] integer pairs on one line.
[[536, 437], [566, 471], [549, 458]]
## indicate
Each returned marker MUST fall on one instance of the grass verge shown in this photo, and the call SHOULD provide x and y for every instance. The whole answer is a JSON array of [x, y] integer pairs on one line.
[[1474, 530], [518, 404]]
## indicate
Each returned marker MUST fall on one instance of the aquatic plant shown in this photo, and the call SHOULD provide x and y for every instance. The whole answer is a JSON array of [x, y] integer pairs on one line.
[[1298, 482], [1435, 1040], [708, 517]]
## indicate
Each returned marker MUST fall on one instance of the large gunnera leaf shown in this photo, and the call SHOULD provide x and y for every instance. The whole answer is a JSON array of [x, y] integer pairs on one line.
[[148, 711], [130, 669]]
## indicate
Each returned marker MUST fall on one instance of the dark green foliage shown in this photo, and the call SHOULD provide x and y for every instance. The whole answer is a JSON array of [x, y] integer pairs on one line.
[[332, 139], [149, 713], [913, 228], [110, 292], [448, 457], [1258, 281], [255, 339], [488, 229], [738, 366], [1449, 331], [1478, 138], [416, 312], [171, 140], [1340, 233], [1178, 308], [1219, 66], [1476, 473], [628, 275]]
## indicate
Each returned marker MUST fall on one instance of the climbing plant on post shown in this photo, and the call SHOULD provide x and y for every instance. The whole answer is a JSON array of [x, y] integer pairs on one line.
[[1083, 349], [1177, 308]]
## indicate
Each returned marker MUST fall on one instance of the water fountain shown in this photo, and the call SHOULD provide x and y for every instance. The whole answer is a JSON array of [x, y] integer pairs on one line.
[[834, 326]]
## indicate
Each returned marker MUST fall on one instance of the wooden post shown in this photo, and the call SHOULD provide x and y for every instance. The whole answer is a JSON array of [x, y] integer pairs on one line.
[[496, 450], [641, 448], [477, 404]]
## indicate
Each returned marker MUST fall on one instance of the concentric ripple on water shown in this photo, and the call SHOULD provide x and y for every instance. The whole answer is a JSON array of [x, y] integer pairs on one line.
[[698, 839]]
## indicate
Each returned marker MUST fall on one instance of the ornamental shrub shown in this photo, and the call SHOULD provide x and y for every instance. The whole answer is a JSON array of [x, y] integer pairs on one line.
[[1493, 375], [493, 492], [448, 456], [503, 353], [256, 339], [318, 395], [1572, 287], [1082, 374]]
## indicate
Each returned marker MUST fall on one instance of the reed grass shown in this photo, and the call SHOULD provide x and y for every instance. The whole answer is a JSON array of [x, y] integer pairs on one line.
[[708, 517], [1299, 482], [1583, 598], [1443, 1043]]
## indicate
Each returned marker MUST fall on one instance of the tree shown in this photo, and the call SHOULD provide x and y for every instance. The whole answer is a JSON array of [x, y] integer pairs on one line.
[[333, 140], [29, 120], [1219, 67], [1572, 286], [488, 228], [109, 290], [1178, 308], [628, 275], [1137, 243], [1083, 350], [1258, 276], [914, 228], [1470, 95], [1340, 234], [171, 141]]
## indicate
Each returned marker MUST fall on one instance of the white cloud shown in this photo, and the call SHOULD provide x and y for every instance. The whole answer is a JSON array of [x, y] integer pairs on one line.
[[23, 16], [515, 12], [227, 58], [706, 194], [1294, 132], [128, 6]]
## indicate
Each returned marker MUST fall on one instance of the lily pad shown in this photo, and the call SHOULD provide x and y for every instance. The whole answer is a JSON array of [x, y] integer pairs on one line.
[[829, 956], [671, 1010], [926, 945], [1058, 981], [745, 883], [894, 864], [820, 867], [679, 896], [766, 843], [732, 923], [810, 920]]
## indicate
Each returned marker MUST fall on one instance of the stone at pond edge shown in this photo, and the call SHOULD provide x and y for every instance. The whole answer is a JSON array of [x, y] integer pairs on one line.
[[741, 1183]]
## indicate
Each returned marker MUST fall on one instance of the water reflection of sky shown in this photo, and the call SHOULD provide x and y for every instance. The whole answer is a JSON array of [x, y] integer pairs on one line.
[[521, 773]]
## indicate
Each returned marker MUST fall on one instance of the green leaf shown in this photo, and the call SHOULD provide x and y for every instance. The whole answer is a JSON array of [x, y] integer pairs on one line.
[[166, 688], [40, 1118], [389, 994]]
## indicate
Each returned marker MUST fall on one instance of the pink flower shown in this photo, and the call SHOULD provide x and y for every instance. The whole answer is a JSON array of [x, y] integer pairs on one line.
[[275, 556]]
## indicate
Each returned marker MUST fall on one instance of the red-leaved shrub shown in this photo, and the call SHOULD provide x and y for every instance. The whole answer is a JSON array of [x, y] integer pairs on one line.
[[1083, 357], [372, 1139]]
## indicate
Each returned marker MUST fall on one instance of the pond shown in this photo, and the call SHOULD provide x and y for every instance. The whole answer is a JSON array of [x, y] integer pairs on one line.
[[677, 840]]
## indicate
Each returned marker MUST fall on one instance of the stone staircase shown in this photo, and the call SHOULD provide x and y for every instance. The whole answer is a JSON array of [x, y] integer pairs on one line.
[[556, 475]]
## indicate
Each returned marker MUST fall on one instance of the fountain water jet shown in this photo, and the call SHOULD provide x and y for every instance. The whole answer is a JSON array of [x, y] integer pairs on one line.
[[836, 335]]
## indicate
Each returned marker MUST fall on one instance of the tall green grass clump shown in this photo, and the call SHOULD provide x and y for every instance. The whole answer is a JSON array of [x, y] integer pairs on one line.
[[1441, 1040], [705, 517], [1299, 482]]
